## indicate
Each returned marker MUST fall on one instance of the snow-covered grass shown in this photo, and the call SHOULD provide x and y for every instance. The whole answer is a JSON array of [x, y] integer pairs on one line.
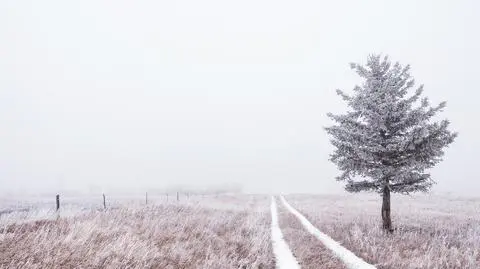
[[203, 232], [234, 231], [42, 207], [431, 231]]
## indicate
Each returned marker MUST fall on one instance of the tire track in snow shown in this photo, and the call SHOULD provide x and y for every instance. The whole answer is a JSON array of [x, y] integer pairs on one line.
[[284, 258], [350, 259], [309, 251]]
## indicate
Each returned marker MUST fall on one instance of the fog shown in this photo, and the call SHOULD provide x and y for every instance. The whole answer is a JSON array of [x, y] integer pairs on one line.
[[148, 94]]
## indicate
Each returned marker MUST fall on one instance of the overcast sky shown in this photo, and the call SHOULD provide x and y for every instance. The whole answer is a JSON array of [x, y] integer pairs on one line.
[[143, 94]]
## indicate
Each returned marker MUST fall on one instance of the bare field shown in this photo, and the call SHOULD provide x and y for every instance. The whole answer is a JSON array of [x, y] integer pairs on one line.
[[431, 231], [223, 232]]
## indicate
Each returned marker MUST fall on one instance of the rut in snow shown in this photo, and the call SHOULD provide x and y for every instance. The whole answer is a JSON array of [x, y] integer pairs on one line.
[[350, 259], [284, 258]]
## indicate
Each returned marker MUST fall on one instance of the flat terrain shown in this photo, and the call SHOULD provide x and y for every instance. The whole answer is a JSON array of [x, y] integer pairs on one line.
[[224, 232], [235, 231], [431, 231]]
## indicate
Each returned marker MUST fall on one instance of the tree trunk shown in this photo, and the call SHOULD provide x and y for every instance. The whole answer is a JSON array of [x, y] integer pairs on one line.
[[387, 221]]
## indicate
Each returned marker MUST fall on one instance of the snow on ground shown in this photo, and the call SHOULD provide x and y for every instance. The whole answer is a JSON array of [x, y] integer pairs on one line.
[[234, 231], [350, 259], [309, 251], [283, 255]]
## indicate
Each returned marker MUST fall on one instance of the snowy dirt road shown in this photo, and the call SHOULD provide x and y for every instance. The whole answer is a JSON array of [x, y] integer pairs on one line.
[[309, 251], [283, 256], [312, 248]]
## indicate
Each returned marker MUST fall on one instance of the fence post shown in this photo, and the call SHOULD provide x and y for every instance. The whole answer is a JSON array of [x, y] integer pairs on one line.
[[146, 198], [178, 198], [57, 199], [104, 203]]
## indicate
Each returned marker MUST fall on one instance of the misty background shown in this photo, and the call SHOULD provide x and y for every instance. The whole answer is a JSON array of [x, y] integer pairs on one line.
[[136, 95]]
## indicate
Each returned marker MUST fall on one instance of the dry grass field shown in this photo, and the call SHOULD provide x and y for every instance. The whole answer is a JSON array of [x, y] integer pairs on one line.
[[224, 232], [234, 231], [432, 232]]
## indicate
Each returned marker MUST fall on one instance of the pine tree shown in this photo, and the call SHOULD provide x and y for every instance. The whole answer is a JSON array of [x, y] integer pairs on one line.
[[387, 140]]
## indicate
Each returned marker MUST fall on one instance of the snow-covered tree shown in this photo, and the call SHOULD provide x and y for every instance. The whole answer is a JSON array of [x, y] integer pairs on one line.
[[388, 139]]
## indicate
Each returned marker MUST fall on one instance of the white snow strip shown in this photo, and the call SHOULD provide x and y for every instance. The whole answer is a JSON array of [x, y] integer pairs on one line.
[[283, 256], [350, 259]]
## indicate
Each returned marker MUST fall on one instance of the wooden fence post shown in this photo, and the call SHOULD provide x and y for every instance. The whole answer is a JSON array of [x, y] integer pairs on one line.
[[146, 198], [57, 199], [178, 197], [104, 203]]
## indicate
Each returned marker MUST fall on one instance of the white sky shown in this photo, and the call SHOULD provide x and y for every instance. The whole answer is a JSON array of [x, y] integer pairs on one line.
[[142, 94]]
